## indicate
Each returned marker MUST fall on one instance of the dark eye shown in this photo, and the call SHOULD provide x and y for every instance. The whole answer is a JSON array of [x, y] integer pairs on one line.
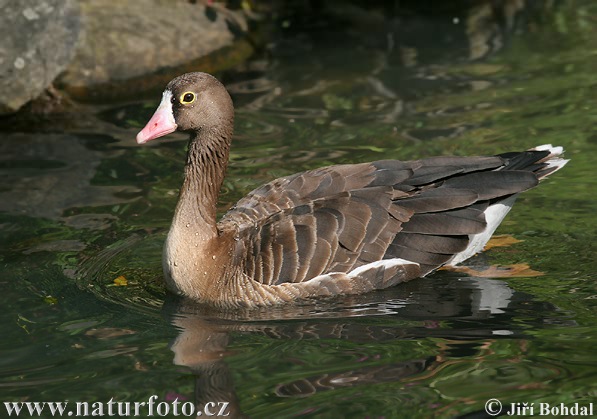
[[187, 97]]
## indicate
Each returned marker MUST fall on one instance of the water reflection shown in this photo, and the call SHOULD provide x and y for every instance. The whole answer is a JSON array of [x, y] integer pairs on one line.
[[469, 313], [44, 175], [395, 58]]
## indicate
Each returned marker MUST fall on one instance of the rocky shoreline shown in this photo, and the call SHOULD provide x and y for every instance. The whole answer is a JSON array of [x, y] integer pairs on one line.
[[107, 49]]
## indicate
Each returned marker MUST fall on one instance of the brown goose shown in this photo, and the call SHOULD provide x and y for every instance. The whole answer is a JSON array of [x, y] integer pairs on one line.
[[344, 229]]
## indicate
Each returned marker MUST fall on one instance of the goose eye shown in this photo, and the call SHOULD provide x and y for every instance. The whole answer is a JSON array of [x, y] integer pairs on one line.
[[187, 97]]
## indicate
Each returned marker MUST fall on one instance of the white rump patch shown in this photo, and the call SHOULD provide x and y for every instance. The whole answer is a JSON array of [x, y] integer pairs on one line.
[[494, 215], [385, 263]]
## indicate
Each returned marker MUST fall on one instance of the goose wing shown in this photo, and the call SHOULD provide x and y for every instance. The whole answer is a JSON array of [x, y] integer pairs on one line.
[[340, 219]]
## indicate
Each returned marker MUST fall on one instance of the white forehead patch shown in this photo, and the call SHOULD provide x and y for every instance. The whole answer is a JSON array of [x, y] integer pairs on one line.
[[166, 96]]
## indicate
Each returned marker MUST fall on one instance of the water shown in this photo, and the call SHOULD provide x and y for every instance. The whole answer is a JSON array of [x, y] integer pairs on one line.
[[85, 212]]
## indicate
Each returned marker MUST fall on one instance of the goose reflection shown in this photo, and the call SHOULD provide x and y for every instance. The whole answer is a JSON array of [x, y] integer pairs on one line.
[[463, 312]]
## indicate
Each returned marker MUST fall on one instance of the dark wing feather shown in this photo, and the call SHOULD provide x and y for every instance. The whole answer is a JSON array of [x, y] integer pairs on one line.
[[494, 184], [336, 219], [440, 199]]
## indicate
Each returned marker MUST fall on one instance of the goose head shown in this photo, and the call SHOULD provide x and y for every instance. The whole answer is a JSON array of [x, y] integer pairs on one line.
[[193, 102]]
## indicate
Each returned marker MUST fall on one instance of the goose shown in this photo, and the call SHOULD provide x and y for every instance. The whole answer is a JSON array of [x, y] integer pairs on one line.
[[342, 229]]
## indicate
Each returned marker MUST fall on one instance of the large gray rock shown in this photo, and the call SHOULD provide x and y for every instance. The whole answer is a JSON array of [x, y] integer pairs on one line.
[[37, 41], [126, 42]]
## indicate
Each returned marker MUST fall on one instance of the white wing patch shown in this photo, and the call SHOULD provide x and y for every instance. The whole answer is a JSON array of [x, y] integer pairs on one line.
[[494, 215]]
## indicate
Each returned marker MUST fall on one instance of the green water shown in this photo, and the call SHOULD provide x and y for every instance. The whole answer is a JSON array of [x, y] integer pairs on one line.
[[81, 205]]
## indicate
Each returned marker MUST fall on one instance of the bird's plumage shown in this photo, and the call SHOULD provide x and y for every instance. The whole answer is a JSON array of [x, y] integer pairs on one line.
[[342, 229]]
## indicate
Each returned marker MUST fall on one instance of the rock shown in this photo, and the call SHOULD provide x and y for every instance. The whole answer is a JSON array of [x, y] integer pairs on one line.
[[131, 47], [38, 41]]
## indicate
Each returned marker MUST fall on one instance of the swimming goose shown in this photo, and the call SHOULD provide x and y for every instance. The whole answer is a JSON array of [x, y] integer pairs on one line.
[[344, 229]]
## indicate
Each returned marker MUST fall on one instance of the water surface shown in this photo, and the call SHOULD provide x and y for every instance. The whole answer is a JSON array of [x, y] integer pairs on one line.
[[84, 212]]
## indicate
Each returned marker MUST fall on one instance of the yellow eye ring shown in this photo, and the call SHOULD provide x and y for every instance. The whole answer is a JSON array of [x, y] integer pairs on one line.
[[187, 98]]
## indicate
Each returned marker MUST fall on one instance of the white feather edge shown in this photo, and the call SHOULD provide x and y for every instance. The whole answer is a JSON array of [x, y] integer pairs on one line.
[[386, 263], [552, 160], [355, 273], [556, 151]]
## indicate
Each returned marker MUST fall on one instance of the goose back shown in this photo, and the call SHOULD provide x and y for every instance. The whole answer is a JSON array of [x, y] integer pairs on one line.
[[339, 218]]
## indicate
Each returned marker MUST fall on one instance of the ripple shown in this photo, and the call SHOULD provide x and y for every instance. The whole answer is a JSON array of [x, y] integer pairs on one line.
[[257, 85], [297, 112], [138, 259]]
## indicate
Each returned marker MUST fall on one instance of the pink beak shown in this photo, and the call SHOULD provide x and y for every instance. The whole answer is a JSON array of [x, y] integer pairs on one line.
[[161, 123]]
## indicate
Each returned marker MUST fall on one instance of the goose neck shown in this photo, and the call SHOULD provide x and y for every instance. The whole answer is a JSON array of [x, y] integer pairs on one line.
[[204, 172]]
